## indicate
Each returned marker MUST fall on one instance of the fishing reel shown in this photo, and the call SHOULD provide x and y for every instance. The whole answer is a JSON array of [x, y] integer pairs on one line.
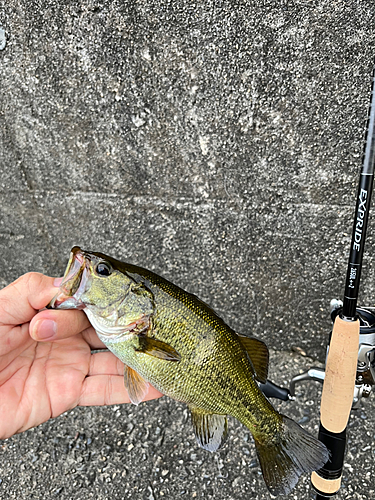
[[365, 378]]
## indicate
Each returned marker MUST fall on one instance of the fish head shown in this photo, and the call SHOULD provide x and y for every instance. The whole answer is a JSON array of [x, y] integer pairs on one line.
[[114, 302]]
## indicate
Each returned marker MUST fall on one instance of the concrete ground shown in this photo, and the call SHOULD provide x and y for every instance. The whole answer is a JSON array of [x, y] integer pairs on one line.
[[149, 452], [217, 143]]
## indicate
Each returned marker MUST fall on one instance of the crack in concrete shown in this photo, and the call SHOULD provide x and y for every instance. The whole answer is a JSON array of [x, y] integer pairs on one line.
[[176, 202]]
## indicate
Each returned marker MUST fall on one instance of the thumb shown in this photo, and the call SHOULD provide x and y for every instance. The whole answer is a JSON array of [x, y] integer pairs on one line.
[[51, 325]]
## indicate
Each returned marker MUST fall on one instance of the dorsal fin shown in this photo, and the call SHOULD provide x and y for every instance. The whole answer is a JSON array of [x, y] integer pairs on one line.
[[258, 354]]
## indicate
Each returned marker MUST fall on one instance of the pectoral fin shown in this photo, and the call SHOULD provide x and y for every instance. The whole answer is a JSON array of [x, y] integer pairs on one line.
[[210, 429], [258, 354], [158, 349], [136, 386]]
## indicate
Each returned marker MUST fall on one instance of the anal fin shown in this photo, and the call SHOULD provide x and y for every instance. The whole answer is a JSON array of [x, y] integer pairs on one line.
[[210, 429], [136, 385]]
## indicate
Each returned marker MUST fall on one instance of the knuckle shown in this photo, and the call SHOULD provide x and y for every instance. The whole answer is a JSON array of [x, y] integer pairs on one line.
[[33, 280], [120, 366], [108, 391], [4, 305], [29, 281]]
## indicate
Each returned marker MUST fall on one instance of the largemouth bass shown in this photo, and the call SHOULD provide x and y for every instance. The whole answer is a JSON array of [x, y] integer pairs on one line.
[[170, 339]]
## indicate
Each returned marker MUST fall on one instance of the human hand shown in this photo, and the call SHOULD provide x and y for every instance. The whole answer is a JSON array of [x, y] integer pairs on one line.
[[46, 364]]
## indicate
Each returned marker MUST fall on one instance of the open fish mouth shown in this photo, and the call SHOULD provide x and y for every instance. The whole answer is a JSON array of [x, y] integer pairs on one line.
[[72, 294], [74, 282]]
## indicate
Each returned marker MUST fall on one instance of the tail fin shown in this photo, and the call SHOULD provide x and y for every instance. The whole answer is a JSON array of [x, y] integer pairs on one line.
[[292, 452]]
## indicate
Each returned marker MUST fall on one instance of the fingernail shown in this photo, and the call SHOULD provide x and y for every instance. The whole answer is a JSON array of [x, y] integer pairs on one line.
[[44, 329], [57, 281]]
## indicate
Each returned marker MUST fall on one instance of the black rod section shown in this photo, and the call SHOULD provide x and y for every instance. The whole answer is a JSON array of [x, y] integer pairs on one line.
[[335, 442], [361, 215]]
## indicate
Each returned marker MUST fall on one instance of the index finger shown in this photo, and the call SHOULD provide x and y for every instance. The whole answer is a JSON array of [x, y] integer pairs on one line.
[[20, 300]]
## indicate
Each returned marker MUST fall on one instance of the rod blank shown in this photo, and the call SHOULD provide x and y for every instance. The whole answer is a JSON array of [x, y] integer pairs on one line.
[[341, 365]]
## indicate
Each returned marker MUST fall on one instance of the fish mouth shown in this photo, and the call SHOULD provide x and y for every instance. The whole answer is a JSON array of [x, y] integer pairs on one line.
[[74, 282]]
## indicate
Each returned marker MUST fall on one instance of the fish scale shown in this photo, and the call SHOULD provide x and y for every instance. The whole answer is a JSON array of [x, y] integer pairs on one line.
[[172, 340], [201, 353]]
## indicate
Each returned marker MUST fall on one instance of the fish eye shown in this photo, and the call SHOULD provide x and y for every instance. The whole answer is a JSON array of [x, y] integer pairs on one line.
[[103, 269]]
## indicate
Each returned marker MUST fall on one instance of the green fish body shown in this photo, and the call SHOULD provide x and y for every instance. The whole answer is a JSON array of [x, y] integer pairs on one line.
[[172, 340]]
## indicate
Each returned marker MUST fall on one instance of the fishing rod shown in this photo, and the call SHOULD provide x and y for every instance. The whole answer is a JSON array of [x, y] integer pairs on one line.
[[341, 364]]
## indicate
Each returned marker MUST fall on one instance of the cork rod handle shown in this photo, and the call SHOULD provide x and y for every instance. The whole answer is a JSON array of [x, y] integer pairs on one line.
[[339, 382], [337, 399]]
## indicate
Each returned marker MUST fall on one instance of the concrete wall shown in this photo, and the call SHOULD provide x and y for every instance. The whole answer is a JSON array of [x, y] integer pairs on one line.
[[217, 143]]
